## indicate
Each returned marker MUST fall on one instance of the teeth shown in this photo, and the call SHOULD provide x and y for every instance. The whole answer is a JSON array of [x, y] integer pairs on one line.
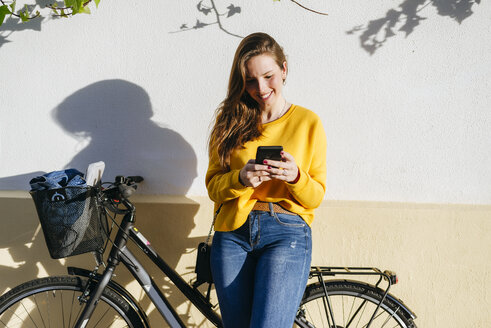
[[266, 96]]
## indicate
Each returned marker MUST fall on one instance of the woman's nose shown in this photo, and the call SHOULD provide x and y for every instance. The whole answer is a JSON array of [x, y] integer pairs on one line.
[[262, 86]]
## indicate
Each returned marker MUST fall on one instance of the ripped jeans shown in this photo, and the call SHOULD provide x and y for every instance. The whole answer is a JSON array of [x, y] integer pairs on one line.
[[261, 270]]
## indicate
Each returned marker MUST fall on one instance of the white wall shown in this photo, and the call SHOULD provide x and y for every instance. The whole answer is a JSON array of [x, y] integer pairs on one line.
[[408, 122]]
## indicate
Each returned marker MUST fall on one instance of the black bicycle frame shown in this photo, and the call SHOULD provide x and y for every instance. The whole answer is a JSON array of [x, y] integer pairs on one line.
[[120, 253]]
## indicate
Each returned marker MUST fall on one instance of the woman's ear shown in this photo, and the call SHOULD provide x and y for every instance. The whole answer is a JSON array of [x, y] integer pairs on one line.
[[284, 71]]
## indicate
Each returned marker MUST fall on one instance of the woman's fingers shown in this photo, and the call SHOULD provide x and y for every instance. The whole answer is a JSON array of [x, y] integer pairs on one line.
[[285, 170], [252, 174]]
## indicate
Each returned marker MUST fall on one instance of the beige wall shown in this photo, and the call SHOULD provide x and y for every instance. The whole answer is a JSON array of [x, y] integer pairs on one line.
[[440, 252]]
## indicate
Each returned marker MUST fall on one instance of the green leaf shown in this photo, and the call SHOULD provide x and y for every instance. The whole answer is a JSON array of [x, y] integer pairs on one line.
[[12, 7], [24, 14], [71, 4], [97, 3], [79, 6], [84, 10], [4, 11]]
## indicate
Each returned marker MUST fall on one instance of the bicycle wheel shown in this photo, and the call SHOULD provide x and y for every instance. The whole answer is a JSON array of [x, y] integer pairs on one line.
[[353, 305], [53, 302]]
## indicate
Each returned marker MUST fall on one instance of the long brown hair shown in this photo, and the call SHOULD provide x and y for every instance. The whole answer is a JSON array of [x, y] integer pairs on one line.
[[238, 118]]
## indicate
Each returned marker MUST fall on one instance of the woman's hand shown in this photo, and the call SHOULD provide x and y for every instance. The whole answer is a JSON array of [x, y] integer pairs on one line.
[[285, 170], [252, 174]]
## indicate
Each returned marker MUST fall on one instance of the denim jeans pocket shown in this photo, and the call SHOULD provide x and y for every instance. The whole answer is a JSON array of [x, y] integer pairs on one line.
[[289, 220]]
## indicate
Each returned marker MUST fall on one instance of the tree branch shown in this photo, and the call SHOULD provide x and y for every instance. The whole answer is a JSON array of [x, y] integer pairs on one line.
[[314, 11]]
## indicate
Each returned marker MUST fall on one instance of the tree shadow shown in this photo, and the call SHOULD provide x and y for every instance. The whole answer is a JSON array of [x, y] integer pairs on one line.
[[14, 24], [22, 238], [112, 120], [210, 8], [376, 32]]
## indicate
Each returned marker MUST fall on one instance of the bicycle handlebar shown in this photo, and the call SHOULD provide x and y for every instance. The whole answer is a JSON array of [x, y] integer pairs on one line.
[[127, 185], [120, 190]]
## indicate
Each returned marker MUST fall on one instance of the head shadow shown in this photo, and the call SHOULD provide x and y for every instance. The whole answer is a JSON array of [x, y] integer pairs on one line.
[[113, 119]]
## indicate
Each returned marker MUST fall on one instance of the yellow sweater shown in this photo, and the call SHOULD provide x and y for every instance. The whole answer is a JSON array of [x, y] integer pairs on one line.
[[301, 134]]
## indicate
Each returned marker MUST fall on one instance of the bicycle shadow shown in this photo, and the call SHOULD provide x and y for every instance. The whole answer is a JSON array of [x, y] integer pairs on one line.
[[112, 121]]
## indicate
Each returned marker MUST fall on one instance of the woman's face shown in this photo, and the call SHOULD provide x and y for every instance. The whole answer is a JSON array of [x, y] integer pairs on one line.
[[264, 80]]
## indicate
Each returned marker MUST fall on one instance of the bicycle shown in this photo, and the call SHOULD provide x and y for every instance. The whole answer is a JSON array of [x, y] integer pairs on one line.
[[88, 298]]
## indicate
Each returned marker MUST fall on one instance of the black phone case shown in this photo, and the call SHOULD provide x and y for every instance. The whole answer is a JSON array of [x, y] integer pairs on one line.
[[268, 152]]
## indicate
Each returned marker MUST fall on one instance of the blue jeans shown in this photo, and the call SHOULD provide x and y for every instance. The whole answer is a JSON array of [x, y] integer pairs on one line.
[[261, 270]]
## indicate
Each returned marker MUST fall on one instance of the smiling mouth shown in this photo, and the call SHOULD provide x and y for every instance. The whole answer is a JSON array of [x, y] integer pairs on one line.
[[266, 96]]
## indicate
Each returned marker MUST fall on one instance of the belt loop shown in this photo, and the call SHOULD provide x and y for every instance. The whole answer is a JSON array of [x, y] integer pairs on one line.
[[271, 209]]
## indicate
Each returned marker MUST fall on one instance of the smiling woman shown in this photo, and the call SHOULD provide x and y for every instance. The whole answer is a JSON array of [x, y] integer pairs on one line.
[[262, 247], [264, 83]]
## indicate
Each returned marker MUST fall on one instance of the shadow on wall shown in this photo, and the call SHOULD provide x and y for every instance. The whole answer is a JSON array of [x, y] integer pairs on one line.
[[13, 24], [375, 33], [216, 17], [24, 255], [208, 12], [112, 119]]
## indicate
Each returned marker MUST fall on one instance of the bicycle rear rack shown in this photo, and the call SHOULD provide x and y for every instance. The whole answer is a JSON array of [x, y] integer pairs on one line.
[[388, 275], [321, 271]]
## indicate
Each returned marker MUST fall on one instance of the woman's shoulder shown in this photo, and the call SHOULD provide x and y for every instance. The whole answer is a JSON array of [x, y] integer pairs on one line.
[[305, 113]]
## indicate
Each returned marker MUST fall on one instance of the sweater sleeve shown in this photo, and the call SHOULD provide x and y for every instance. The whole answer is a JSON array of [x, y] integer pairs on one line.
[[222, 186], [309, 190]]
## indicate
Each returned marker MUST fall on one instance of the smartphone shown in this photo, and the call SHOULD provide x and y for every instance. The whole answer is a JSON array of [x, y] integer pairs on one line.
[[268, 152]]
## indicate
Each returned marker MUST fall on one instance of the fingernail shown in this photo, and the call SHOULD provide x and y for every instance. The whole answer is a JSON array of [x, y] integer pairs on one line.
[[269, 167], [264, 162]]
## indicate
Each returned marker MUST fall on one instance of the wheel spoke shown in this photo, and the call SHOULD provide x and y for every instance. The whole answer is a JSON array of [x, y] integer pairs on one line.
[[29, 313], [357, 311], [62, 308], [78, 314], [342, 303], [102, 317], [71, 309], [364, 304], [17, 316], [47, 303]]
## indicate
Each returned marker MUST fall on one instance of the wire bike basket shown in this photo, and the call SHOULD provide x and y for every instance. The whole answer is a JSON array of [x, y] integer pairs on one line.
[[72, 218]]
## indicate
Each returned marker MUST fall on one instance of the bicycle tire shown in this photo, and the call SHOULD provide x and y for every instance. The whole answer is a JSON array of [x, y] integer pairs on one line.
[[53, 302], [353, 304]]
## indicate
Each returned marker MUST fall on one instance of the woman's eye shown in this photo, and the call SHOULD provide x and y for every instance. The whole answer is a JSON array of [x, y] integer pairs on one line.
[[269, 76]]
